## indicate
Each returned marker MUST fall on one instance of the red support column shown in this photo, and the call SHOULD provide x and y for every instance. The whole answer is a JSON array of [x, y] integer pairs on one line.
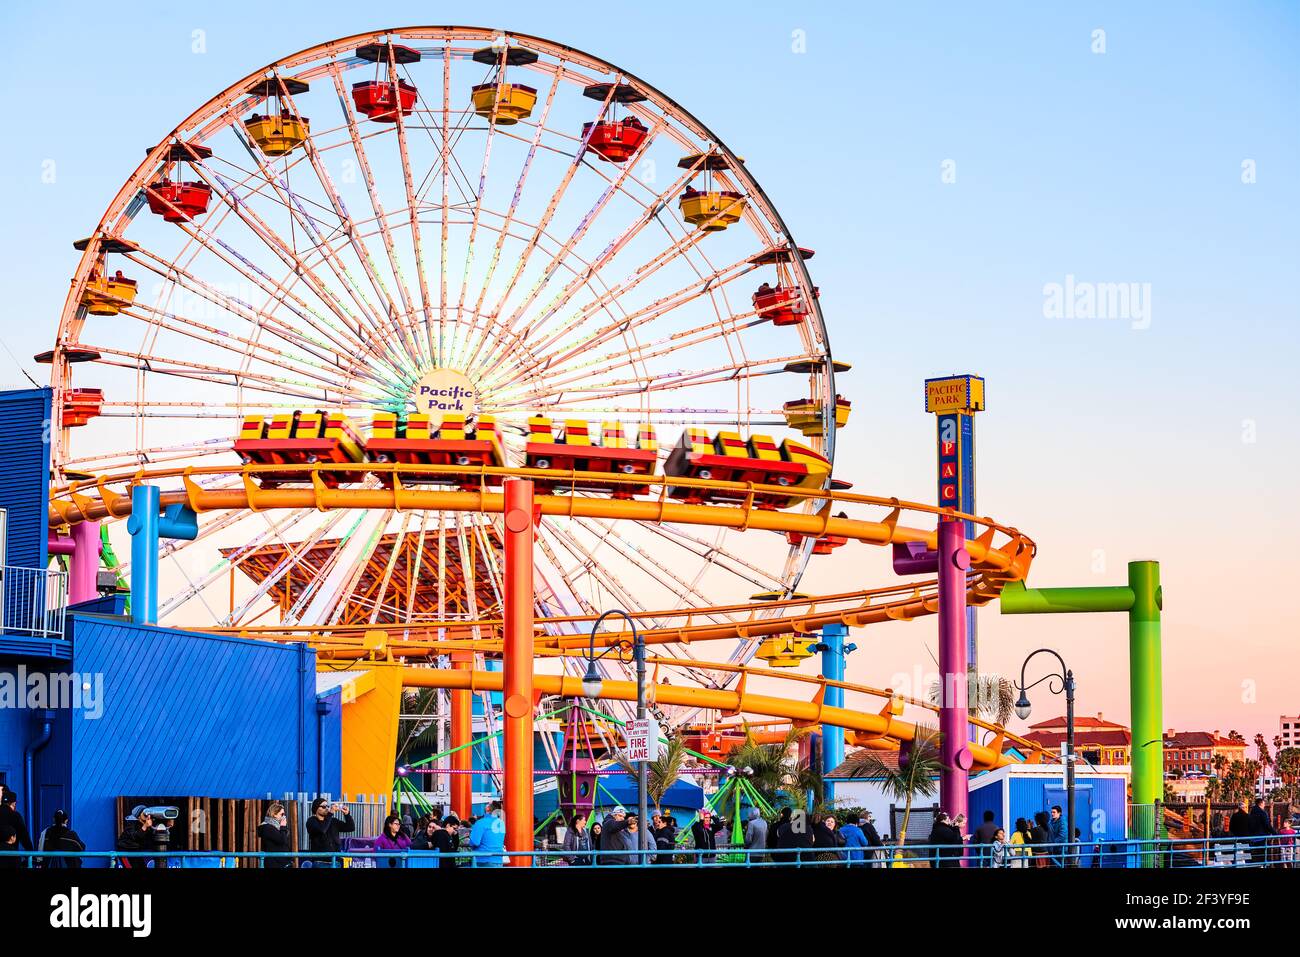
[[518, 676], [462, 785]]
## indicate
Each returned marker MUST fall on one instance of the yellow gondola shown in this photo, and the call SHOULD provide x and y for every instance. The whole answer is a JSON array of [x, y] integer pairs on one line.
[[277, 135], [513, 101], [106, 295], [784, 651], [712, 211], [805, 415]]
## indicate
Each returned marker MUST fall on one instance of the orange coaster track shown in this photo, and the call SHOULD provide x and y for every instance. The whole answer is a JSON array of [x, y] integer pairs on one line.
[[999, 554]]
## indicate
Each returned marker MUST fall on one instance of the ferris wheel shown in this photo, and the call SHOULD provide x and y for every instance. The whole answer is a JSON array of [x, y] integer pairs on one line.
[[559, 253]]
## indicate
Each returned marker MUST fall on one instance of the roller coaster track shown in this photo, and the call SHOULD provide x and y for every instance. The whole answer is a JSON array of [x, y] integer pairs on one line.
[[994, 563], [872, 729]]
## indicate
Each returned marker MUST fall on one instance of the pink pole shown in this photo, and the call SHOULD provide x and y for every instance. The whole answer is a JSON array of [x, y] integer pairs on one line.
[[954, 750], [84, 571]]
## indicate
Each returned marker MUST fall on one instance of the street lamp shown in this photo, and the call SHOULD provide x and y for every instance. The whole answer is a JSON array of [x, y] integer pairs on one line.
[[1023, 707], [591, 683]]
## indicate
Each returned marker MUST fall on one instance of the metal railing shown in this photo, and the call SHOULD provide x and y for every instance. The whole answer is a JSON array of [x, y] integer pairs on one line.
[[1278, 851], [33, 601]]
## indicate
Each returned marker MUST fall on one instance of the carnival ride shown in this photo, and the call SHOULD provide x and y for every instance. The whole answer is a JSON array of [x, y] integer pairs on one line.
[[343, 335]]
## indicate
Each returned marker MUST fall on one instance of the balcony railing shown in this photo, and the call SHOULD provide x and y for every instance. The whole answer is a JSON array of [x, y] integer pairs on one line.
[[33, 601]]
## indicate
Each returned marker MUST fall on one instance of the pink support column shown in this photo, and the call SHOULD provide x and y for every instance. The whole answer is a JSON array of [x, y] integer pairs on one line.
[[954, 750], [84, 566]]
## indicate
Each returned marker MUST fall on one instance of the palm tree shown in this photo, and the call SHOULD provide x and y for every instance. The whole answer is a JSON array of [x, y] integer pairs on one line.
[[990, 697], [917, 777], [773, 770], [418, 732], [661, 773]]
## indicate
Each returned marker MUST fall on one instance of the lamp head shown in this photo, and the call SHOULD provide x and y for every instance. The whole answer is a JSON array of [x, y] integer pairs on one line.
[[591, 681], [1022, 707]]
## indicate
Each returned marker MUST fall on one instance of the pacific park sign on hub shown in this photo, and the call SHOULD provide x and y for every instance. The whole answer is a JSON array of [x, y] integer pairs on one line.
[[443, 391]]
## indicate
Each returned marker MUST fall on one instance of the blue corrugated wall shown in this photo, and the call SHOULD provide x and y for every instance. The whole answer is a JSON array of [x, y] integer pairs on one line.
[[1108, 796], [25, 478], [987, 798], [193, 715]]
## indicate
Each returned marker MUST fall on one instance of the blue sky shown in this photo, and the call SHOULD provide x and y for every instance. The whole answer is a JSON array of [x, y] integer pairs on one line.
[[1170, 442]]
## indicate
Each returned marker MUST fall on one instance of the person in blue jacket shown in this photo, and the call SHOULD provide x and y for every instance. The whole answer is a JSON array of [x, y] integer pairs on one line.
[[1056, 835], [488, 836], [855, 838]]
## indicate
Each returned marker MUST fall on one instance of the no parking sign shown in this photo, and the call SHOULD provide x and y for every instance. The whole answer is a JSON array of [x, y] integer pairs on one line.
[[642, 739]]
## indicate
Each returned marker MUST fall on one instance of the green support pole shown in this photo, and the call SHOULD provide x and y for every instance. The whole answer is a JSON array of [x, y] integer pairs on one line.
[[1145, 688], [1142, 599]]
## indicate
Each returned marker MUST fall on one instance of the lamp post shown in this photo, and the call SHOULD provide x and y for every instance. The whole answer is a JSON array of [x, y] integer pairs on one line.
[[591, 683], [1022, 711]]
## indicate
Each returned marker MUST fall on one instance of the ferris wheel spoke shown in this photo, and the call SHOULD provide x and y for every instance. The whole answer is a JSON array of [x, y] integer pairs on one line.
[[639, 354], [556, 197], [228, 563], [506, 327], [400, 328], [592, 568], [294, 556], [394, 553], [588, 391], [610, 296], [677, 247], [586, 222], [331, 333], [658, 309], [368, 176], [319, 348], [749, 572], [504, 230], [653, 569], [299, 266], [445, 162], [206, 372], [220, 339]]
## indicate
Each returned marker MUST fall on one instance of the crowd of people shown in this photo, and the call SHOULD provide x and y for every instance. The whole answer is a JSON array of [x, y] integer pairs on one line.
[[15, 836], [618, 837]]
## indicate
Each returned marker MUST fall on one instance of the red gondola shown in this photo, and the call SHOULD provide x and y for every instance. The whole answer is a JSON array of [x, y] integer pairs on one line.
[[823, 545], [178, 202], [375, 99], [784, 305], [81, 405], [615, 140]]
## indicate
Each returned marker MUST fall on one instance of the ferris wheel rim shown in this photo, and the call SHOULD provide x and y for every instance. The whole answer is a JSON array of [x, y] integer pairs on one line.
[[61, 373], [328, 53]]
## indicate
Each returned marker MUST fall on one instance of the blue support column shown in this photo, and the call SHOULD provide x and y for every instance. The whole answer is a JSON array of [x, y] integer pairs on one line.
[[146, 527], [143, 526], [833, 650]]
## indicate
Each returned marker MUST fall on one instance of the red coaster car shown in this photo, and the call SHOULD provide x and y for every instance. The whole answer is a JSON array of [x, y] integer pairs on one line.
[[729, 458], [410, 441], [301, 438], [573, 449]]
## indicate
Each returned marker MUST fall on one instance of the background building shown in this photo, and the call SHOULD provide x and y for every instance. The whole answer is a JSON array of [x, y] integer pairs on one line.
[[1288, 728], [1193, 752], [1099, 742]]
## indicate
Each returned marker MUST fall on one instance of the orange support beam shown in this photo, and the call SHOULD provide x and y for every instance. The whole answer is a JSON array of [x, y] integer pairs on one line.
[[518, 671], [462, 785]]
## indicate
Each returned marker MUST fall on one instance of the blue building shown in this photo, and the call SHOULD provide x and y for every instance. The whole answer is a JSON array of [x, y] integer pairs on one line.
[[93, 707]]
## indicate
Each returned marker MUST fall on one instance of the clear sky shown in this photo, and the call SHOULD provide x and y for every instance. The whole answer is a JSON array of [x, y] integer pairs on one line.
[[947, 163]]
